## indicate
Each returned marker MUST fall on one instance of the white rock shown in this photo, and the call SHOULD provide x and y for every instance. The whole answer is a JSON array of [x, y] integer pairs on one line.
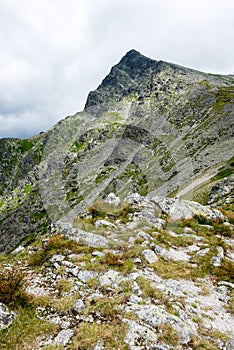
[[74, 271], [68, 264], [178, 255], [99, 223], [84, 276], [203, 252], [64, 337], [98, 254], [179, 209], [150, 256], [113, 199], [110, 278], [144, 235], [230, 345], [79, 305], [132, 225], [140, 333], [57, 258], [134, 299], [217, 260], [18, 250], [153, 315], [89, 239], [100, 345]]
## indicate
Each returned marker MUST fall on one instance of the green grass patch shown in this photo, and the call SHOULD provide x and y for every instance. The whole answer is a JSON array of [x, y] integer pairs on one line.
[[56, 245], [224, 172], [27, 189], [224, 96], [25, 331], [25, 145], [112, 334]]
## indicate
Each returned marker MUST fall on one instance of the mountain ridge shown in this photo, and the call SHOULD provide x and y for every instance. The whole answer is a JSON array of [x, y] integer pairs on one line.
[[150, 127]]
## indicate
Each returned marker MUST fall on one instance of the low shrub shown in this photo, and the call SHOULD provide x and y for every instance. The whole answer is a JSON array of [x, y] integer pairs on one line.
[[56, 244], [222, 229], [101, 209], [202, 220], [12, 290]]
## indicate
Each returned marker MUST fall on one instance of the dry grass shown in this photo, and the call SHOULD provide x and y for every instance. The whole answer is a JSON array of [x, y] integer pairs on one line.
[[12, 290], [88, 335], [167, 334], [57, 244], [148, 290], [64, 286], [104, 210]]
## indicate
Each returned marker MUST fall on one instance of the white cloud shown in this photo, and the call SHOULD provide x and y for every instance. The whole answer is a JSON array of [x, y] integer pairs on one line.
[[54, 52]]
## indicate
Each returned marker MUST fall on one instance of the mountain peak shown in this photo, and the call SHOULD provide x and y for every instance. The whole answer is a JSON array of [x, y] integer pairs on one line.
[[134, 59], [131, 54], [123, 78]]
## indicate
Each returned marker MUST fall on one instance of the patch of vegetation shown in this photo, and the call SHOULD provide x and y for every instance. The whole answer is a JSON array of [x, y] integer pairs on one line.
[[107, 308], [224, 172], [228, 210], [232, 303], [103, 174], [137, 176], [224, 96], [202, 220], [76, 146], [27, 189], [165, 239], [64, 285], [222, 229], [26, 331], [2, 201], [104, 210], [167, 334], [88, 335], [73, 197], [56, 244], [63, 305], [12, 290], [175, 270], [25, 145], [119, 261], [202, 344], [148, 290]]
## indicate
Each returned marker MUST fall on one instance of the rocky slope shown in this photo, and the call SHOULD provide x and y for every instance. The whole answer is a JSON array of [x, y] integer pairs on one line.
[[151, 127], [126, 276]]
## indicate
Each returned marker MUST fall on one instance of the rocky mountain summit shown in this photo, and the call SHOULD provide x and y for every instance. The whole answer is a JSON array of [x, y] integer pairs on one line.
[[116, 225]]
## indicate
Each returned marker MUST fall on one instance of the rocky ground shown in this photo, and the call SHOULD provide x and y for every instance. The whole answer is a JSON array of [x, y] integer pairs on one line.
[[140, 274]]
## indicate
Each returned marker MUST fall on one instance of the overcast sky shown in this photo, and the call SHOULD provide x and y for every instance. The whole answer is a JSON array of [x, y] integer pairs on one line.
[[53, 52]]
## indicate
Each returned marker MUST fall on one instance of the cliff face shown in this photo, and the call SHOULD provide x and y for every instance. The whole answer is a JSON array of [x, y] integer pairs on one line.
[[151, 127]]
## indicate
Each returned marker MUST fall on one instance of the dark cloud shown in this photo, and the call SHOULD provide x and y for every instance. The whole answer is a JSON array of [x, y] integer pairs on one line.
[[54, 53]]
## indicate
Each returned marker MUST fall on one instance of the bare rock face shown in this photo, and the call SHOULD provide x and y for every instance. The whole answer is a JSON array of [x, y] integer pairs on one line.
[[151, 127]]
